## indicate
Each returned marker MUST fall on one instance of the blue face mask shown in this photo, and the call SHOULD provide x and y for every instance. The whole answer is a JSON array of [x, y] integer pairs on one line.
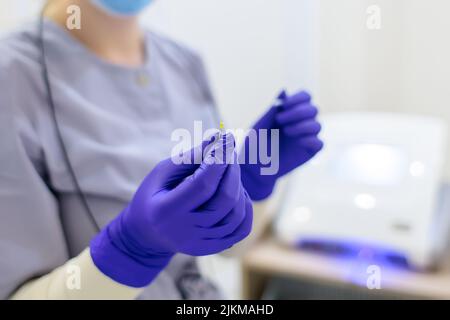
[[123, 8]]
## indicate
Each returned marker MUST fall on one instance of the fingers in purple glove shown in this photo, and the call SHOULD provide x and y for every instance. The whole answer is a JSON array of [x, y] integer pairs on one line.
[[296, 114], [298, 98], [245, 227], [203, 183], [303, 128], [238, 235], [217, 244], [228, 224], [222, 151], [312, 143], [195, 155], [216, 209]]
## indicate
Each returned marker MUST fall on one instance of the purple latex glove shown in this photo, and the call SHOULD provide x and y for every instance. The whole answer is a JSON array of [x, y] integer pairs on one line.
[[195, 209], [296, 119]]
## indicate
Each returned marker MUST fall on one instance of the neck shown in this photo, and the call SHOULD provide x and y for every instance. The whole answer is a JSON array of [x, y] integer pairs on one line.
[[117, 40]]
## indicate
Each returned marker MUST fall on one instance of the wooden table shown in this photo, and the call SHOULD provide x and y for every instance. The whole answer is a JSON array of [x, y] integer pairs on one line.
[[270, 259]]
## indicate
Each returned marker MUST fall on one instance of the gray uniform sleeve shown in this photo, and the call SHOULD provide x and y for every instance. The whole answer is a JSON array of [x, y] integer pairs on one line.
[[31, 237]]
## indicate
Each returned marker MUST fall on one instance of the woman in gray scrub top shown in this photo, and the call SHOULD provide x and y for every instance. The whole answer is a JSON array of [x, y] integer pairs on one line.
[[119, 92]]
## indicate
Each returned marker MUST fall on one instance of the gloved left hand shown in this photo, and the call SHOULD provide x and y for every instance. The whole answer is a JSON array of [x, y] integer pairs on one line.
[[298, 142]]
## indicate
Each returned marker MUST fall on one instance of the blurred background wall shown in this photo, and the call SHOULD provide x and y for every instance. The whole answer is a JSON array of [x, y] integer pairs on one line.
[[254, 48]]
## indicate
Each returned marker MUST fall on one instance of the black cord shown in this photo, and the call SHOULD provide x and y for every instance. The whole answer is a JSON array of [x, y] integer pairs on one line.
[[51, 104]]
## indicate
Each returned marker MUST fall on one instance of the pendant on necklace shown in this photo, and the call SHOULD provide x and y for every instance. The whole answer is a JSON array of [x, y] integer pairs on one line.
[[143, 79]]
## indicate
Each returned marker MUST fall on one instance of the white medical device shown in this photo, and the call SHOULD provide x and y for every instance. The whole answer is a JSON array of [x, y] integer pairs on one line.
[[375, 185]]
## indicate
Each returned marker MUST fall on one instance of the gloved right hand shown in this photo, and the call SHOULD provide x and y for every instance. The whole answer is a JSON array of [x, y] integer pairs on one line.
[[195, 209]]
